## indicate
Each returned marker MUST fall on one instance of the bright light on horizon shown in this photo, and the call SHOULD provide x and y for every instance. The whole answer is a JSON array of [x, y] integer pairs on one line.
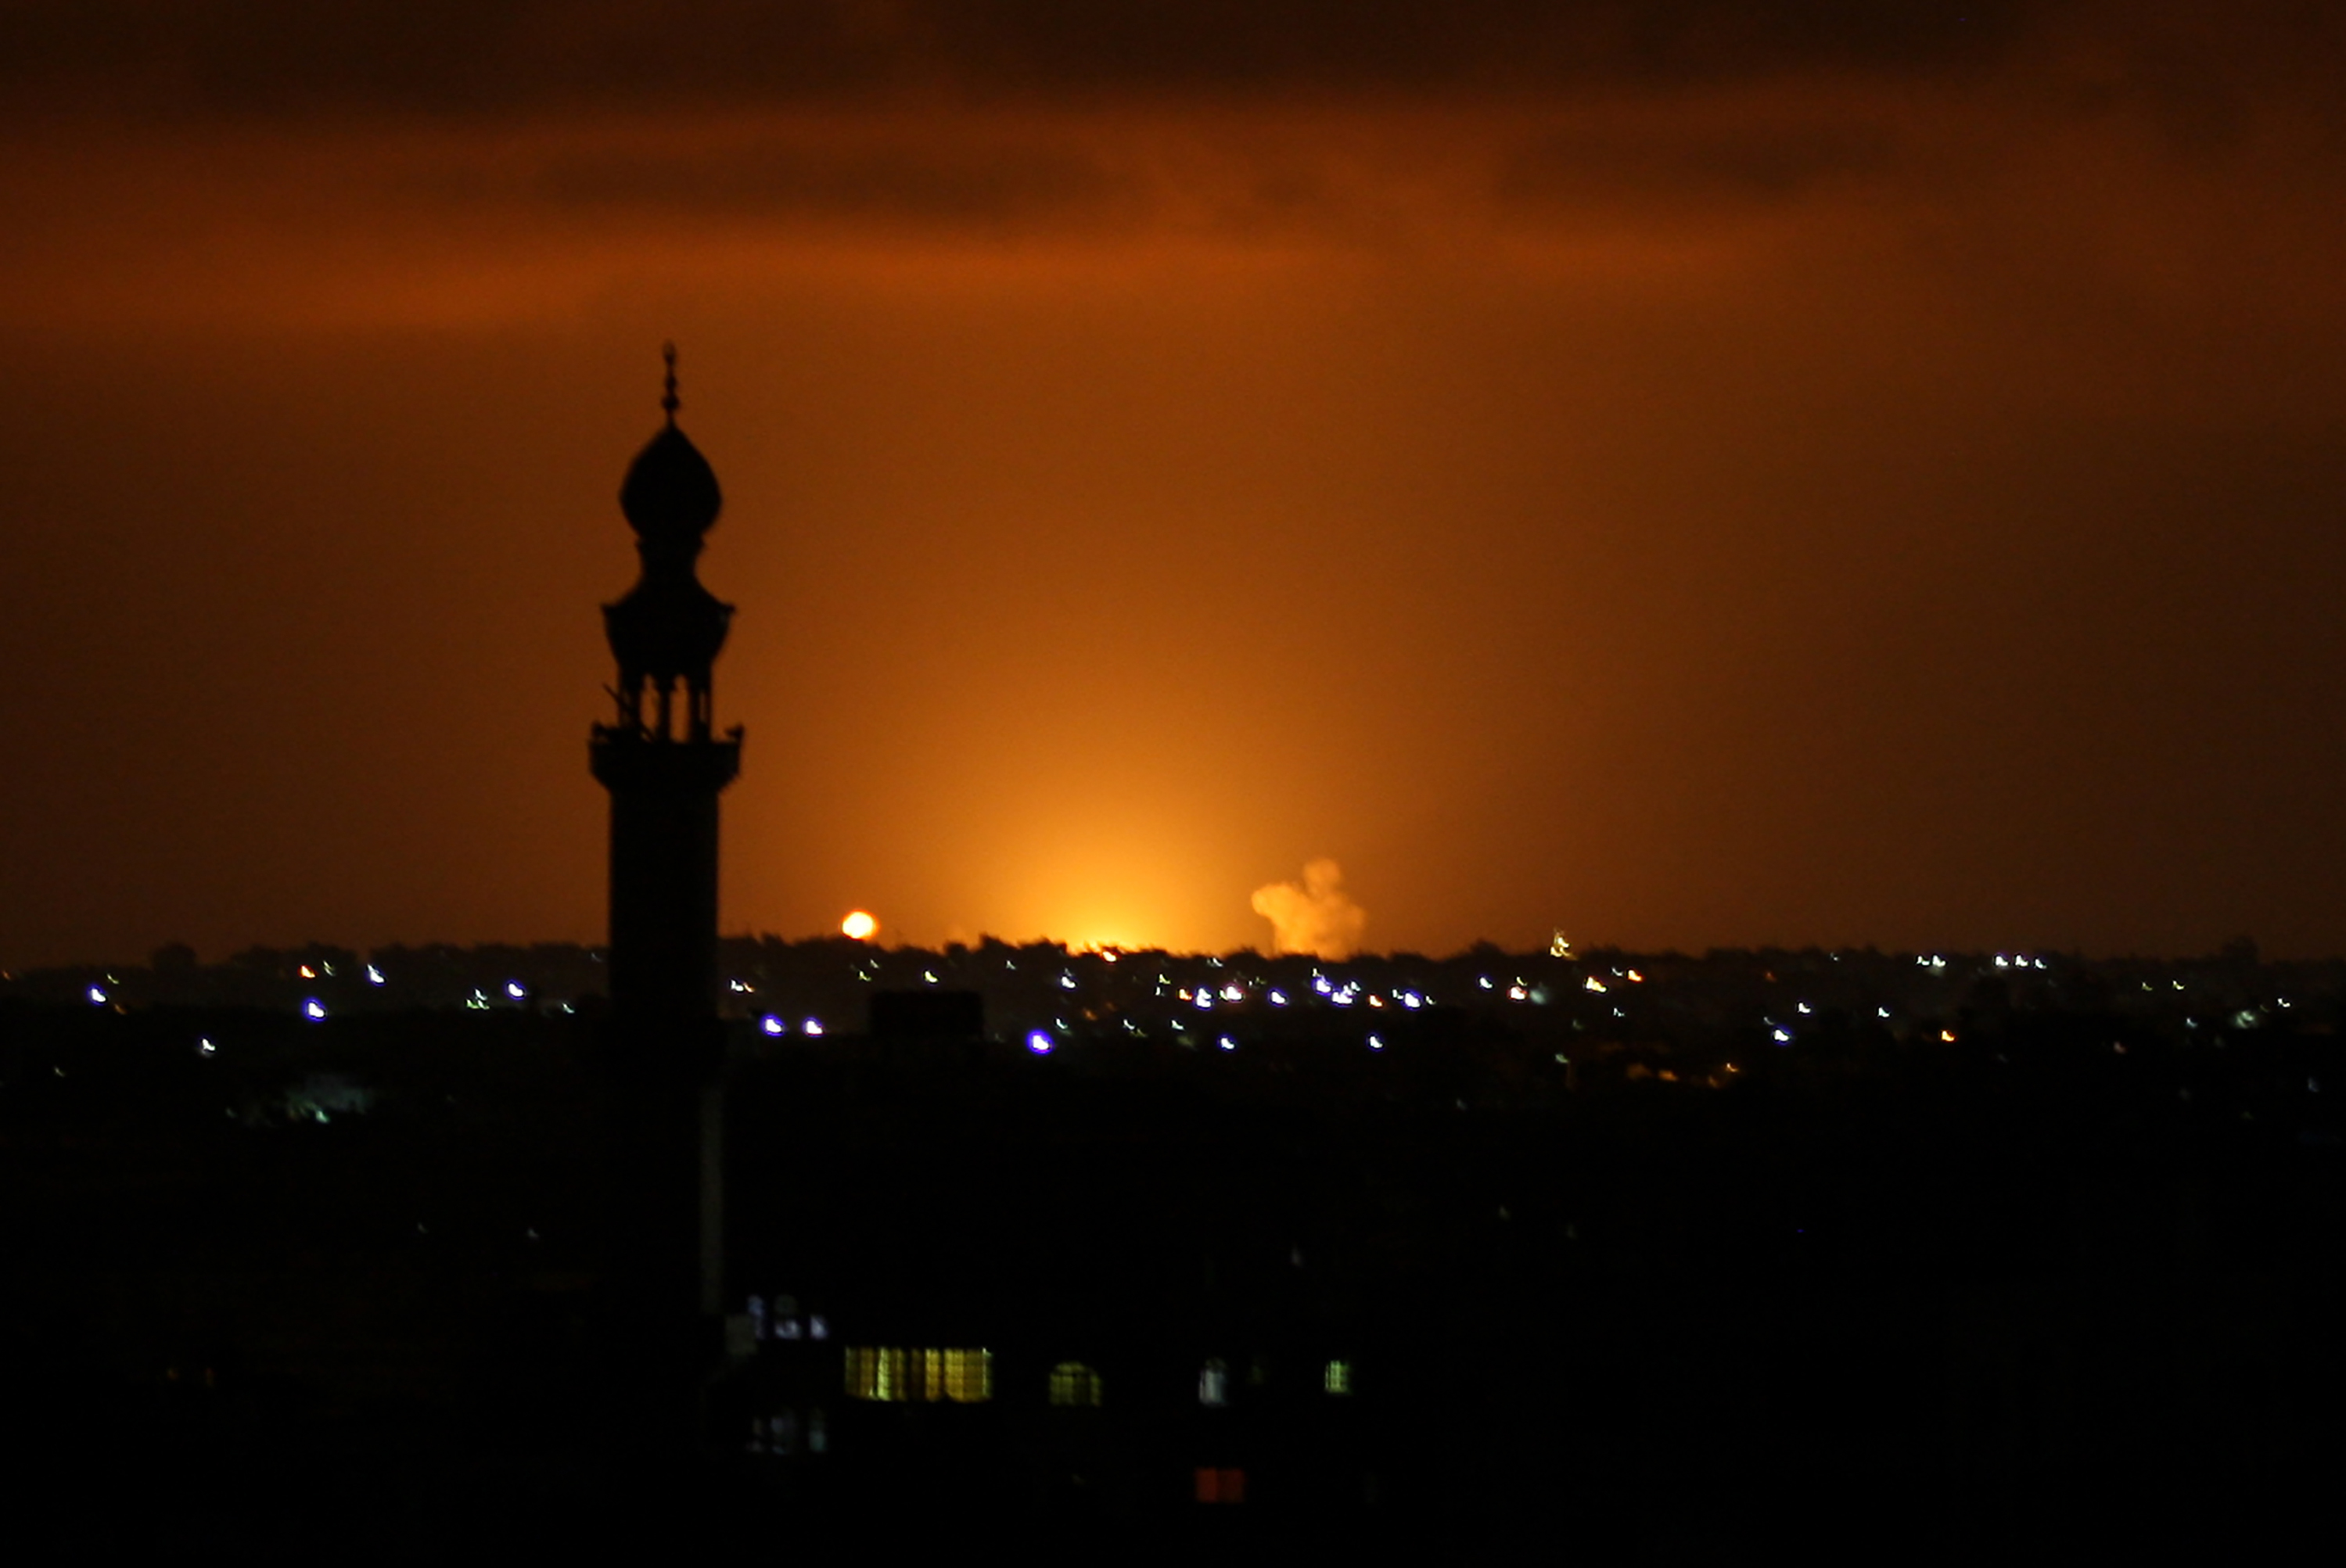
[[860, 924]]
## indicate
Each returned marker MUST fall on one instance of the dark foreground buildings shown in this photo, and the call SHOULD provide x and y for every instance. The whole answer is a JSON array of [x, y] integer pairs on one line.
[[1808, 1255], [1863, 1297]]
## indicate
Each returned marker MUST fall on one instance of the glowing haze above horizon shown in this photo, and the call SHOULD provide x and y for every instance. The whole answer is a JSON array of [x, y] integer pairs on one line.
[[1684, 473]]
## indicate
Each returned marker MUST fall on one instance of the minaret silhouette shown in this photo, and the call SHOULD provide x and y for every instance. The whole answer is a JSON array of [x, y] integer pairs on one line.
[[664, 769], [663, 766]]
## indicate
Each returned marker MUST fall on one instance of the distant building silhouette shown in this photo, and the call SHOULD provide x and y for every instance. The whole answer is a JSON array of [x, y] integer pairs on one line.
[[664, 768]]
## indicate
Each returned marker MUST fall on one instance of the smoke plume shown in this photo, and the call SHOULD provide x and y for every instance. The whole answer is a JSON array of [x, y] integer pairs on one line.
[[1317, 917]]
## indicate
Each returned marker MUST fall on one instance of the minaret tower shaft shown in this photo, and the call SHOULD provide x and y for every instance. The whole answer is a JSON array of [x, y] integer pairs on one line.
[[664, 768], [659, 759]]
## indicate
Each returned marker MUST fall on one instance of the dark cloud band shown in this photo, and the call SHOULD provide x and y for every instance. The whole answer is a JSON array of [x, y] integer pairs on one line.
[[274, 56]]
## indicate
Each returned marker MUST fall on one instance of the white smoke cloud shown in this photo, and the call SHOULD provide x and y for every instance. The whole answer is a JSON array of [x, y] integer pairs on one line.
[[1317, 916]]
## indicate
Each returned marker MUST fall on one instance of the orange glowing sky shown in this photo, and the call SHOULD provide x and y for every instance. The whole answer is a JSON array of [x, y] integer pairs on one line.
[[1686, 474]]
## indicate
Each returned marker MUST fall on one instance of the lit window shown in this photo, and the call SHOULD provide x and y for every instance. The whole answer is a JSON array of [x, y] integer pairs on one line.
[[1336, 1378], [1220, 1485], [1073, 1383], [891, 1376], [1214, 1383]]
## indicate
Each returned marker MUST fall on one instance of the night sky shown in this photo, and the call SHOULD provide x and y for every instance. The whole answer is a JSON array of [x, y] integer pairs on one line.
[[1687, 473]]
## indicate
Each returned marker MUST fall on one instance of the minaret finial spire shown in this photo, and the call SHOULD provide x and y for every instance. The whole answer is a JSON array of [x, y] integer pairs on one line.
[[668, 401]]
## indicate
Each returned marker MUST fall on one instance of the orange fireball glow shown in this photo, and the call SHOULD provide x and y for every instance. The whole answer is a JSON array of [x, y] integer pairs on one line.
[[1688, 484]]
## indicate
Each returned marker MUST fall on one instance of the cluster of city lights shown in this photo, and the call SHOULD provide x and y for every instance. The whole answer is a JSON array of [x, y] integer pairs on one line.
[[1327, 986]]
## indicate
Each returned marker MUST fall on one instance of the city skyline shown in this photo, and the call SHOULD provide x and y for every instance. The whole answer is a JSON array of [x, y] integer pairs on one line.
[[1685, 479]]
